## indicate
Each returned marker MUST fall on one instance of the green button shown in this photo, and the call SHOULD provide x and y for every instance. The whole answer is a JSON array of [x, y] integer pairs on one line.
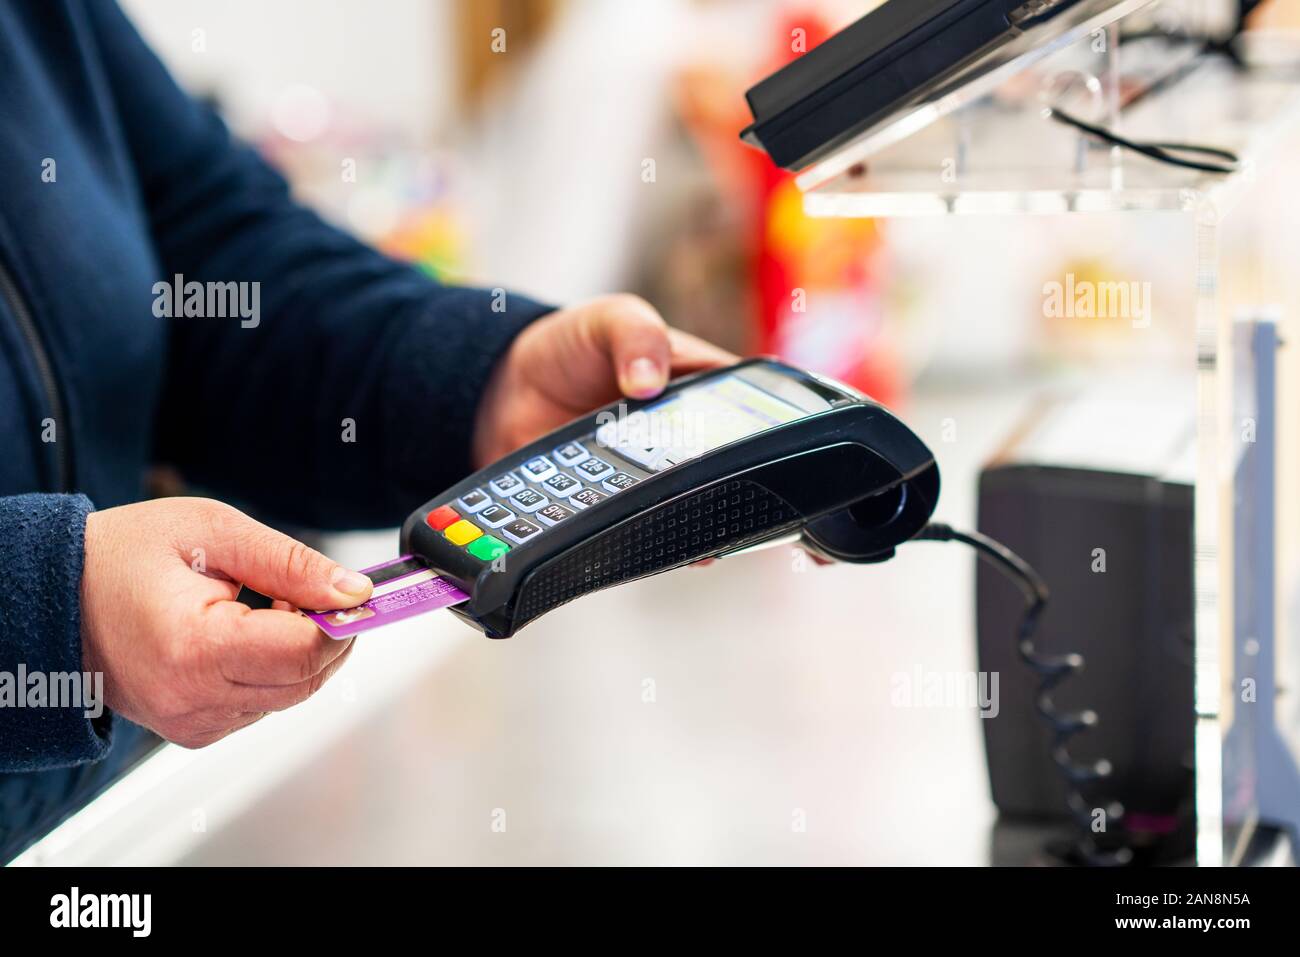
[[487, 548]]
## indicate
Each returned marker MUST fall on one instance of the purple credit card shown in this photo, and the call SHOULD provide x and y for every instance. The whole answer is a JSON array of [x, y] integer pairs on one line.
[[404, 588]]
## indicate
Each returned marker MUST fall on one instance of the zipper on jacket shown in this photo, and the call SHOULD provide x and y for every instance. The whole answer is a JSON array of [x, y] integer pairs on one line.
[[54, 400]]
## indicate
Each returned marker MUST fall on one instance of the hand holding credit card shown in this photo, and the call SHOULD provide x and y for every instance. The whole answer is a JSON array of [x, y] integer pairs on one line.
[[404, 588]]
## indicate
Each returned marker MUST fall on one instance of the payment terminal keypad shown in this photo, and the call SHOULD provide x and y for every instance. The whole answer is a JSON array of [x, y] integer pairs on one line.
[[519, 505]]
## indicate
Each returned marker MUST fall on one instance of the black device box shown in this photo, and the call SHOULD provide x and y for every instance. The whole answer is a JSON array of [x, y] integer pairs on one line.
[[900, 54], [1132, 622]]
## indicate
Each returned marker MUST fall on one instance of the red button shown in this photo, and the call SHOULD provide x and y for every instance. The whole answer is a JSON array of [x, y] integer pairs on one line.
[[440, 518]]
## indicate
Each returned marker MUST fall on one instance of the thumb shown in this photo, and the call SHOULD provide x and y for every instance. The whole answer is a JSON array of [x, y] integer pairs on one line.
[[637, 339], [281, 567]]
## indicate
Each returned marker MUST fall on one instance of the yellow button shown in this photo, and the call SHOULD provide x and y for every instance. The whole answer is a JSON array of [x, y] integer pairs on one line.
[[462, 532]]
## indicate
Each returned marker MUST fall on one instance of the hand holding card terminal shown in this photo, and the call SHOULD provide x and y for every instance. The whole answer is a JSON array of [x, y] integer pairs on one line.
[[723, 460]]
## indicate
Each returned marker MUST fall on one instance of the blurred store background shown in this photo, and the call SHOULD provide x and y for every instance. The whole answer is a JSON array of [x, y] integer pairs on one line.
[[568, 148], [590, 146], [571, 147]]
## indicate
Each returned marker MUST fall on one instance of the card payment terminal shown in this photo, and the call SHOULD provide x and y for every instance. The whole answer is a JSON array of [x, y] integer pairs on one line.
[[721, 461]]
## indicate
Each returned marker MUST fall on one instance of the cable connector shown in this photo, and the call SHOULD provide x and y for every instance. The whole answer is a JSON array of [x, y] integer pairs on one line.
[[1051, 670]]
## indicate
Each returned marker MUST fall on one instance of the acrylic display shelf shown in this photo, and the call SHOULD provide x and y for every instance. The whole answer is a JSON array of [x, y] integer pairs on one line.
[[990, 151]]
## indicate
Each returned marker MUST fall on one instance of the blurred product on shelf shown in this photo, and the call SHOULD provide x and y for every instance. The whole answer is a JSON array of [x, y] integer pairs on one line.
[[511, 25], [377, 182], [815, 290]]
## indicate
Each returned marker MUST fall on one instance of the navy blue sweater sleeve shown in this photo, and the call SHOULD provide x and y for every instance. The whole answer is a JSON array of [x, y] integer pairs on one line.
[[41, 547], [353, 397]]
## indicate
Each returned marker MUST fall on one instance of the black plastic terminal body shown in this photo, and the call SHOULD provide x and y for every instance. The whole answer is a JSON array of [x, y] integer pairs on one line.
[[852, 480], [899, 55]]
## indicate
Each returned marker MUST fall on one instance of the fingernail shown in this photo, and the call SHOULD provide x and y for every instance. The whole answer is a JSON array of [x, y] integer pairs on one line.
[[349, 582], [643, 378]]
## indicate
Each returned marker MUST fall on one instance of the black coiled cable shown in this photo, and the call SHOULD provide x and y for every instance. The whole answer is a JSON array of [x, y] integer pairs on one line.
[[1052, 670]]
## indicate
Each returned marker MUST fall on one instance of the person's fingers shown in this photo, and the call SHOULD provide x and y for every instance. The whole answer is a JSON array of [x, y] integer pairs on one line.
[[247, 720], [264, 646], [212, 727], [636, 338], [276, 565], [692, 354], [282, 697]]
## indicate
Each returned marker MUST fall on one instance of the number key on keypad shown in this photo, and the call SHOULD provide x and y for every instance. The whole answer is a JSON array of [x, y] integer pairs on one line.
[[494, 516], [539, 469], [529, 500], [587, 497], [595, 469], [571, 454], [562, 486], [554, 514], [506, 484], [619, 482]]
